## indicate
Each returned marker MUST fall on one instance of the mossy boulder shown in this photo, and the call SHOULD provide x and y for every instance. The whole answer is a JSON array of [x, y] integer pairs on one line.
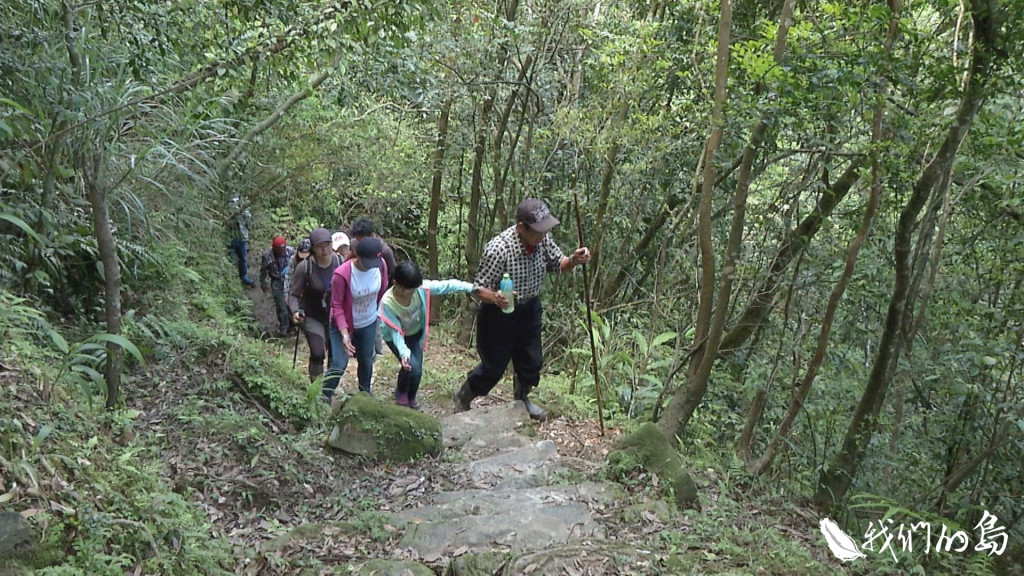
[[367, 427], [16, 544], [14, 531], [483, 564], [649, 449], [382, 567], [636, 514]]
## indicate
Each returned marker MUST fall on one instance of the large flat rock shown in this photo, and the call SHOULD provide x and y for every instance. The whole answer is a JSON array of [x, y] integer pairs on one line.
[[516, 519], [526, 466], [516, 497], [486, 430]]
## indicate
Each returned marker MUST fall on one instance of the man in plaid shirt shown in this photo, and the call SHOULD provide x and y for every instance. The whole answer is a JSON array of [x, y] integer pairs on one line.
[[525, 252]]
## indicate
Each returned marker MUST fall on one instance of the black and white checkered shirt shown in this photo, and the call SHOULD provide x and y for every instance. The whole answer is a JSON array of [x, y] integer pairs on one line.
[[507, 253]]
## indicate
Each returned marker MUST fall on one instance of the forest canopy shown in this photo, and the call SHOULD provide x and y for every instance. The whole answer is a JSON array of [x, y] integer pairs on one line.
[[806, 220]]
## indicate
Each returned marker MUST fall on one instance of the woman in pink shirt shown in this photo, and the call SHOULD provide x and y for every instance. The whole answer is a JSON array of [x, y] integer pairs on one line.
[[356, 290]]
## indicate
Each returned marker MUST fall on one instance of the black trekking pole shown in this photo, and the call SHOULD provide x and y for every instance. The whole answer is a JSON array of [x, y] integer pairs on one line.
[[298, 331], [590, 321]]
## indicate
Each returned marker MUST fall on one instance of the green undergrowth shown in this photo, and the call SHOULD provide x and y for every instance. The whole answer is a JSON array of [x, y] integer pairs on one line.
[[93, 483], [93, 488]]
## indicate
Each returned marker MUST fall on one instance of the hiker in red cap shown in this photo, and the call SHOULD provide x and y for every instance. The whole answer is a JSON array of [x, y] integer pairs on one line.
[[509, 330], [274, 266]]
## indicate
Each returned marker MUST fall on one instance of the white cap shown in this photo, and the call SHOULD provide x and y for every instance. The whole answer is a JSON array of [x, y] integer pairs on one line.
[[339, 239]]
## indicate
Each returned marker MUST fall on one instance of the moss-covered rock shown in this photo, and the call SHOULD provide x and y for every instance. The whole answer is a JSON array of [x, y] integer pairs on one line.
[[382, 567], [14, 530], [648, 448], [636, 514], [483, 564], [383, 431], [314, 530]]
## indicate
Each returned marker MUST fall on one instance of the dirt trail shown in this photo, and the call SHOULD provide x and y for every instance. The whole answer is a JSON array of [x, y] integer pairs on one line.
[[285, 501], [291, 506]]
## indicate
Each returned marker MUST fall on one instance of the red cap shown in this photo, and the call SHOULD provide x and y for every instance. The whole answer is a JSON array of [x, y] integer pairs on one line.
[[278, 242]]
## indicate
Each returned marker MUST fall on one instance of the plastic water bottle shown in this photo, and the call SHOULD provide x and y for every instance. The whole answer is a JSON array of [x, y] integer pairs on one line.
[[506, 287]]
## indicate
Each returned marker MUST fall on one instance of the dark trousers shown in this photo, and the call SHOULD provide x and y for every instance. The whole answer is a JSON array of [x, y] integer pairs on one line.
[[409, 380], [240, 254], [284, 316], [503, 337]]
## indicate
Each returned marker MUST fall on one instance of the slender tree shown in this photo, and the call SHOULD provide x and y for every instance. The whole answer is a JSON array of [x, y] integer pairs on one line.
[[836, 479]]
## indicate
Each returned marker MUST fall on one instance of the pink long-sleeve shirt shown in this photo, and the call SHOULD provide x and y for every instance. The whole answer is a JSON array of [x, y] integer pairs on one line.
[[341, 295]]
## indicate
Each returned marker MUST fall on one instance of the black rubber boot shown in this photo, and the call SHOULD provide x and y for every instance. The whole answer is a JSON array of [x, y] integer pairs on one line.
[[316, 371], [463, 397], [520, 392]]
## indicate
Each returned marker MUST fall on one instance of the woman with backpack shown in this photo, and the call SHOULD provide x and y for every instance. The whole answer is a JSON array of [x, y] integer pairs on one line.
[[309, 302]]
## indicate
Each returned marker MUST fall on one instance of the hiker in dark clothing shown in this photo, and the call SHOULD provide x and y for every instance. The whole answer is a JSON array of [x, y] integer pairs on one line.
[[239, 220], [274, 266], [524, 252], [301, 253], [309, 301], [363, 228]]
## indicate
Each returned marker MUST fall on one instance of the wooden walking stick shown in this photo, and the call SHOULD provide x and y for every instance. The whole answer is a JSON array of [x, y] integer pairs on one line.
[[590, 321]]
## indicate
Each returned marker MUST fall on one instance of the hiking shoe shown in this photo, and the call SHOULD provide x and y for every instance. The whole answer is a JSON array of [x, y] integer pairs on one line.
[[402, 399], [463, 398], [248, 281], [414, 404]]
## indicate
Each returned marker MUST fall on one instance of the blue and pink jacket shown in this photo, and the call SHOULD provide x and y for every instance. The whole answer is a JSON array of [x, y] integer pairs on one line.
[[391, 327]]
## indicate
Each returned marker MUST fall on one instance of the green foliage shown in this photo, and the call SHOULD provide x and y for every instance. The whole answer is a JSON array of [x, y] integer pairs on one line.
[[120, 514], [271, 378], [633, 365], [85, 361], [612, 103]]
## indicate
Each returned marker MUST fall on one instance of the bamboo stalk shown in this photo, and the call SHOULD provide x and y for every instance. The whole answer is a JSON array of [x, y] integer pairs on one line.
[[590, 321]]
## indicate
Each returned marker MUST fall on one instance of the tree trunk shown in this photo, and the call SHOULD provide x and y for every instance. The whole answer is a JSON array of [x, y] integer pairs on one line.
[[607, 174], [686, 399], [473, 244], [744, 446], [760, 304], [913, 324], [435, 198], [501, 166], [91, 161], [92, 166], [612, 287], [797, 402], [835, 480]]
